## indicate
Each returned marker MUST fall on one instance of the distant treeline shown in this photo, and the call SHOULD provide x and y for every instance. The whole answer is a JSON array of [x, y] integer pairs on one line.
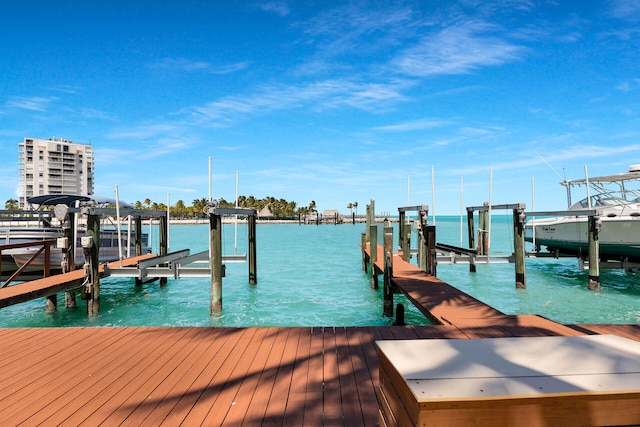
[[280, 208]]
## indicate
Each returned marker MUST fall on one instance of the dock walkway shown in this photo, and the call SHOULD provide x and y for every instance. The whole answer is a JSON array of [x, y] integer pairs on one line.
[[302, 376], [209, 376], [50, 285], [444, 304]]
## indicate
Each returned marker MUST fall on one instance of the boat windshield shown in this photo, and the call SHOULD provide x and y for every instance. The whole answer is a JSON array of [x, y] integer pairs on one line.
[[599, 200]]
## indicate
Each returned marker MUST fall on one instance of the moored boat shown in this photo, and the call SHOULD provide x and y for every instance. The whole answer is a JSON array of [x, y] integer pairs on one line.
[[616, 203], [45, 227]]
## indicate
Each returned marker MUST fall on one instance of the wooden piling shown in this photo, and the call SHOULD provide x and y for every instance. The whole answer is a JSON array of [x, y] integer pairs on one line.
[[138, 242], [471, 228], [70, 296], [253, 262], [93, 296], [373, 255], [387, 306], [405, 228], [518, 247], [363, 245], [164, 241], [431, 250], [472, 235], [215, 257], [483, 233], [51, 305], [422, 241], [399, 315], [401, 234], [594, 253]]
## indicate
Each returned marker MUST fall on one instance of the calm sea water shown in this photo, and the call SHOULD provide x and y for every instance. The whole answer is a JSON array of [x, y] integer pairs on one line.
[[312, 276]]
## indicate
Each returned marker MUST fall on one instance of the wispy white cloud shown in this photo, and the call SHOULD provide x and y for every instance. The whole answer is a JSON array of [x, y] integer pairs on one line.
[[457, 49], [629, 85], [91, 113], [182, 64], [414, 125], [33, 103], [318, 95], [280, 8], [143, 132], [628, 10]]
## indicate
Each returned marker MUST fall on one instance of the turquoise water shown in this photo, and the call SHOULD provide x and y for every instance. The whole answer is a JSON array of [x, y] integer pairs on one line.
[[312, 276]]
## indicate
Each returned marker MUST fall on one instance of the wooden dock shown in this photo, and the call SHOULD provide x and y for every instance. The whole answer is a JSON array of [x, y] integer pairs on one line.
[[311, 376], [210, 376], [39, 288]]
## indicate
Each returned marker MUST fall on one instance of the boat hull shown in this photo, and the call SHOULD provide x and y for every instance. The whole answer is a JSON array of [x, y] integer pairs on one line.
[[619, 238]]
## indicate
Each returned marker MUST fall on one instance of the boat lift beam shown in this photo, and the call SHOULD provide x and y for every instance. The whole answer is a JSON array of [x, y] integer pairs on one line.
[[176, 266]]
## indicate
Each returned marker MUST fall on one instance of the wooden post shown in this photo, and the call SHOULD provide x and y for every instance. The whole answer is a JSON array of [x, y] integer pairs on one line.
[[70, 296], [406, 252], [93, 231], [431, 250], [51, 305], [253, 263], [399, 316], [422, 241], [138, 231], [401, 234], [518, 247], [594, 254], [363, 245], [215, 257], [470, 229], [387, 303], [373, 255], [164, 239], [482, 232]]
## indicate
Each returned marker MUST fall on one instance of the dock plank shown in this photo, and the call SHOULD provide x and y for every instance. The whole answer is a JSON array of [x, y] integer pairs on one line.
[[294, 413], [151, 411], [244, 407], [177, 376], [284, 373]]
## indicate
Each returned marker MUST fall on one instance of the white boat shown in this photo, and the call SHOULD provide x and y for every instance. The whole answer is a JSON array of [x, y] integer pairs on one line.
[[616, 202], [109, 250], [109, 247], [38, 230]]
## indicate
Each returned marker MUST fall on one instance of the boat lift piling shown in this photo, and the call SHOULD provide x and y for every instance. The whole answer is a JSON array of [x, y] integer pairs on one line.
[[215, 249]]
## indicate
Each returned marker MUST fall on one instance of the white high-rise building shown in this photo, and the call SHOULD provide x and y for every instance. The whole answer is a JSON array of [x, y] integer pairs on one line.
[[54, 166]]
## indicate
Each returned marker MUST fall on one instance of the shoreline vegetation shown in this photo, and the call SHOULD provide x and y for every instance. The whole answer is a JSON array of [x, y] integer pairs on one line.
[[269, 211], [343, 219]]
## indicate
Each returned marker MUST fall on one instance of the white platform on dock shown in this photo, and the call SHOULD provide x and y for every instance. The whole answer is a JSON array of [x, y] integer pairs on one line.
[[420, 377]]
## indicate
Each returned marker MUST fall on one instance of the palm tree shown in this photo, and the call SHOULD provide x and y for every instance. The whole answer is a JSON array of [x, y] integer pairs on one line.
[[11, 205], [350, 207], [355, 206]]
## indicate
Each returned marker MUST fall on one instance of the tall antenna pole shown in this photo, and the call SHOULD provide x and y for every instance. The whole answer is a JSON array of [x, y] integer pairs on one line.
[[210, 179], [490, 204], [461, 205], [235, 239], [433, 195]]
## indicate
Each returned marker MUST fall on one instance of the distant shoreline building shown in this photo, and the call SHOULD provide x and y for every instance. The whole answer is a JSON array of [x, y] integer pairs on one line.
[[54, 166]]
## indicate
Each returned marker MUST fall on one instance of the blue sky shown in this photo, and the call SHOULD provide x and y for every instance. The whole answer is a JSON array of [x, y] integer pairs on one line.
[[329, 101]]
